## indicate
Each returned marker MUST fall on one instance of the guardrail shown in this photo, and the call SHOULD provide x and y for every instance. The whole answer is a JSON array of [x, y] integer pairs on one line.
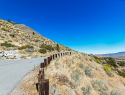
[[43, 84]]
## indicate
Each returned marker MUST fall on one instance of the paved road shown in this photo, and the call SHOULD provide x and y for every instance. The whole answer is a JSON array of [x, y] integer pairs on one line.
[[12, 71]]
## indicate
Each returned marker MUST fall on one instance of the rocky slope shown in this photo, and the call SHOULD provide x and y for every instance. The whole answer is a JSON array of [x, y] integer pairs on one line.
[[27, 29]]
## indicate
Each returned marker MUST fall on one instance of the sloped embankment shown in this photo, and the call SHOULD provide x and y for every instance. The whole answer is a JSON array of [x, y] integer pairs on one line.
[[78, 74]]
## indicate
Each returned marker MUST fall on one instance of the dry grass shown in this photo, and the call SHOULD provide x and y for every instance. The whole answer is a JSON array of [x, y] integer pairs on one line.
[[64, 86]]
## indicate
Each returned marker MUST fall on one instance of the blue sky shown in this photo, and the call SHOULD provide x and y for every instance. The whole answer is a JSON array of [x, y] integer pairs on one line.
[[90, 26]]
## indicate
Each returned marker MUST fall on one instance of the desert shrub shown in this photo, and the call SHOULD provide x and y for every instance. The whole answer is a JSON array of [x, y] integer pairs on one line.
[[35, 56], [103, 93], [6, 44], [69, 64], [78, 71], [97, 60], [4, 29], [63, 78], [91, 59], [47, 47], [24, 47], [12, 35], [83, 54], [37, 40], [42, 50], [42, 46], [80, 56], [115, 93], [87, 90], [81, 65], [123, 70], [121, 63], [110, 74], [29, 50], [112, 62], [75, 75], [107, 67], [9, 20], [88, 72], [86, 59], [82, 59], [83, 88], [99, 85], [104, 62], [33, 33], [90, 65], [23, 57], [73, 61], [53, 89], [121, 73], [57, 63], [36, 49], [2, 36], [95, 57]]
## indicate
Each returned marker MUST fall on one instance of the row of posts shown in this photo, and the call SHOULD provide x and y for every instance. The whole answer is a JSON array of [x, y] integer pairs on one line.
[[43, 84]]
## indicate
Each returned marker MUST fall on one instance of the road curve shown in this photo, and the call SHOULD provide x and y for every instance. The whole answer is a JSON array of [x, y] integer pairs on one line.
[[12, 71]]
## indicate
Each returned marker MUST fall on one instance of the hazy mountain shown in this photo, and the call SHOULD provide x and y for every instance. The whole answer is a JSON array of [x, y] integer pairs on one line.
[[119, 54]]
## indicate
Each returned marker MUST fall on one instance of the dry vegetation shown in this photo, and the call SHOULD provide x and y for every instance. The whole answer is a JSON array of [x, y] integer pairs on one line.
[[16, 36], [78, 74]]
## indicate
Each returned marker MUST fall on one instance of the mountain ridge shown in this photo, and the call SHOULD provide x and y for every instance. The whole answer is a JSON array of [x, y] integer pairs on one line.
[[19, 35], [118, 54]]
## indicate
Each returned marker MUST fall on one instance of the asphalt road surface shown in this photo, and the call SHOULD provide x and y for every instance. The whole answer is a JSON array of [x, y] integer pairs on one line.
[[12, 71]]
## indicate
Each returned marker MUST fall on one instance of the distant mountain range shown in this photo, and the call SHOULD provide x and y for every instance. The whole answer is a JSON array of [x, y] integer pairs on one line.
[[119, 54]]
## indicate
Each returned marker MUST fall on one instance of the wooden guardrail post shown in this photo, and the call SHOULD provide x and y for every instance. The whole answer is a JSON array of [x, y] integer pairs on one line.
[[42, 65], [43, 84], [55, 55], [48, 60], [50, 57], [42, 73], [45, 62], [44, 87]]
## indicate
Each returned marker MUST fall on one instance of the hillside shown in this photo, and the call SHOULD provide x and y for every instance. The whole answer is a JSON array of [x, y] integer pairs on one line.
[[78, 74], [19, 35], [27, 29]]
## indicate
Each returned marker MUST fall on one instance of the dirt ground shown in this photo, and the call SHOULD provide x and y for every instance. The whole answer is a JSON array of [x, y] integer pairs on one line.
[[27, 85]]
